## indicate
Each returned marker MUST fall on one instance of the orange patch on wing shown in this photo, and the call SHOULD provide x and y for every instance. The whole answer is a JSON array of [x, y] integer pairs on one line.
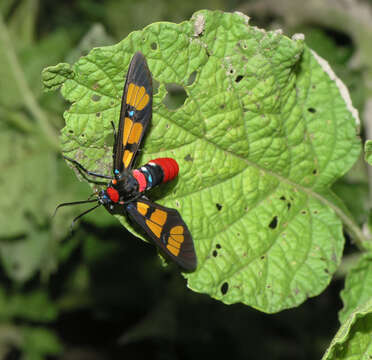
[[131, 93], [127, 126], [176, 230], [155, 228], [141, 91], [174, 243], [142, 208], [173, 250], [159, 217], [137, 96], [178, 238], [135, 133], [127, 158], [142, 99]]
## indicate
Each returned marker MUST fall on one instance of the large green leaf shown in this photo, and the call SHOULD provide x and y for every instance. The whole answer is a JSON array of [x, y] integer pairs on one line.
[[358, 286], [265, 129], [353, 340]]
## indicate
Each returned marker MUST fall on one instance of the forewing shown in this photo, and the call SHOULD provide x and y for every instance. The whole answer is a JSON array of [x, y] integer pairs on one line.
[[135, 113], [166, 227]]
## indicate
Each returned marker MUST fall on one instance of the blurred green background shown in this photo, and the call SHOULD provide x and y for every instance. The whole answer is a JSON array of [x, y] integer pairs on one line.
[[100, 293]]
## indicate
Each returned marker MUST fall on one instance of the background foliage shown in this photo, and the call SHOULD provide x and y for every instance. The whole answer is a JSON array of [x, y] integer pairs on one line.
[[102, 293]]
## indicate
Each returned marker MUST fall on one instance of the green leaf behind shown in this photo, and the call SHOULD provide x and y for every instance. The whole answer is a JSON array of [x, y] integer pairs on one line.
[[353, 340], [358, 286], [368, 151]]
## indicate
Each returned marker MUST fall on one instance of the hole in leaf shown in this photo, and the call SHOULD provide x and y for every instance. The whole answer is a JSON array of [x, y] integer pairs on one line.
[[176, 96], [222, 106], [214, 253], [274, 222], [71, 131], [315, 171], [289, 205], [96, 97], [311, 110], [219, 207], [224, 288], [263, 257], [282, 198], [154, 46], [218, 246], [243, 44], [191, 78], [177, 203], [238, 78], [98, 114], [315, 212], [188, 157], [303, 212], [326, 271]]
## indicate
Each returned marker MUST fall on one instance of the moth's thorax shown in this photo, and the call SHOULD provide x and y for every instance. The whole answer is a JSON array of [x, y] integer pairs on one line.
[[126, 185]]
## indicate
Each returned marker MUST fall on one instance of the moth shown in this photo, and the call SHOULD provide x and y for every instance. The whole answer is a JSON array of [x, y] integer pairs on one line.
[[128, 185]]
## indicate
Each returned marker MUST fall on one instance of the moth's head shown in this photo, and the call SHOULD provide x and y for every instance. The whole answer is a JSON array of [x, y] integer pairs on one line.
[[108, 196]]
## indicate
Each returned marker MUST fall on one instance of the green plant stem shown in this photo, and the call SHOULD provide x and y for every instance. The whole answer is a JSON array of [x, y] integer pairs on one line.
[[359, 238], [20, 80]]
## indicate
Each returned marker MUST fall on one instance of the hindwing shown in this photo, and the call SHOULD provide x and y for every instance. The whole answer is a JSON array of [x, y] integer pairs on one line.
[[166, 227]]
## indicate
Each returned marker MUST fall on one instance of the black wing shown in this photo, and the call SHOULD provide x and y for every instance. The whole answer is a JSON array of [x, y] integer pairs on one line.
[[135, 113], [166, 227]]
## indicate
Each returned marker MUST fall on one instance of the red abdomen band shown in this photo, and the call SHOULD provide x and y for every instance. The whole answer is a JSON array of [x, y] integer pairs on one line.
[[141, 179], [169, 166]]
